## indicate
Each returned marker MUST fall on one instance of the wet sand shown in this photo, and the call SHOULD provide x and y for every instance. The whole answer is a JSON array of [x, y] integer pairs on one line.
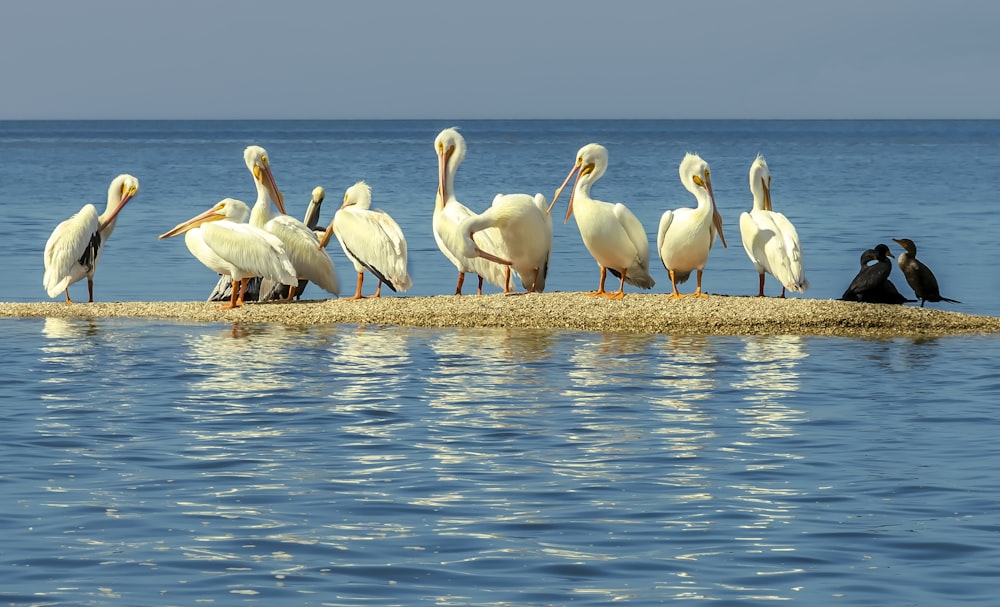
[[636, 313]]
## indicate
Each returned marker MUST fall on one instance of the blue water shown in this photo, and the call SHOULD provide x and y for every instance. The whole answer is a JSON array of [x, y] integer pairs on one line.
[[162, 463]]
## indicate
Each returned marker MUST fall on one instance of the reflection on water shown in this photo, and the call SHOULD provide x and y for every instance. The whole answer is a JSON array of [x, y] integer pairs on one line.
[[771, 376], [487, 373], [607, 359], [371, 365], [254, 461], [723, 474], [241, 360]]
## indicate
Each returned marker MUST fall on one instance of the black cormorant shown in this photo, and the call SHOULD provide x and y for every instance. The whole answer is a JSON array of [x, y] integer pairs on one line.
[[918, 276]]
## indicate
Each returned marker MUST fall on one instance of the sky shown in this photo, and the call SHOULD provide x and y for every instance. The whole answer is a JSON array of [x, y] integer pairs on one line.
[[468, 59]]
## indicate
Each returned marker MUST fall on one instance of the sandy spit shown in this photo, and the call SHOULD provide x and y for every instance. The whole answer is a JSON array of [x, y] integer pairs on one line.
[[636, 313]]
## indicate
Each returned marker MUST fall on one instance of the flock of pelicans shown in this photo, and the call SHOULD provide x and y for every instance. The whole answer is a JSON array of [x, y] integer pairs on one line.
[[514, 235]]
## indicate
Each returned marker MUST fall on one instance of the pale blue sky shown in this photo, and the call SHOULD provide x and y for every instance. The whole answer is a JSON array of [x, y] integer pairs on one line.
[[463, 59]]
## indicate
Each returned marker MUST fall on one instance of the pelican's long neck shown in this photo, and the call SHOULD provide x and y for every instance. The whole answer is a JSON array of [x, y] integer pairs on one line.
[[581, 192], [757, 189], [261, 213], [704, 209], [121, 190], [109, 210]]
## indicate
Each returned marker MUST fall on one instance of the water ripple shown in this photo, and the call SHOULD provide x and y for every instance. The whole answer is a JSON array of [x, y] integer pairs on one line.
[[374, 465]]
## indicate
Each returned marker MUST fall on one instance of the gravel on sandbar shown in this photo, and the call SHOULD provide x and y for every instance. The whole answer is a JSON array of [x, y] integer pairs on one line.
[[635, 313]]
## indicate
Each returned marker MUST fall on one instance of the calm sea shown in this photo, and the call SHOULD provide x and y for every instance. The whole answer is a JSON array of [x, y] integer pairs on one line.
[[162, 463]]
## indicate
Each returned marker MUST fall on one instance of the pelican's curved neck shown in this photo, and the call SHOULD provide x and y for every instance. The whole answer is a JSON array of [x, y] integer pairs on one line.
[[582, 189], [261, 213], [110, 211]]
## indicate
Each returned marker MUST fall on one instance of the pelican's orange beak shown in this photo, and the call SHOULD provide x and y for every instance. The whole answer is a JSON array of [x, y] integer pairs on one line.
[[716, 217], [444, 156], [569, 209], [209, 215], [767, 193], [327, 234], [265, 176]]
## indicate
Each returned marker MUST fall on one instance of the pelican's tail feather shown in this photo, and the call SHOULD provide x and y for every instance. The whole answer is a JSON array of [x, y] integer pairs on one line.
[[55, 289]]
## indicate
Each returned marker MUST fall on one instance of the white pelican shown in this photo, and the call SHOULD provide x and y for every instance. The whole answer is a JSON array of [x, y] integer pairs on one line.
[[270, 290], [449, 213], [686, 235], [301, 243], [371, 239], [611, 233], [770, 240], [221, 239], [526, 231], [267, 290], [75, 246]]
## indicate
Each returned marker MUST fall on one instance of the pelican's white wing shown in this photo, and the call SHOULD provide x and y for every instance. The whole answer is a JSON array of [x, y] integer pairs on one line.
[[661, 233], [792, 255], [66, 246], [374, 241], [772, 244], [254, 251], [451, 242], [635, 232], [753, 241], [302, 247]]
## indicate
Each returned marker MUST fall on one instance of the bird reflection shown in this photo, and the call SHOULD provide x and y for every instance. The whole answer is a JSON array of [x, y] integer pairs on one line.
[[69, 328], [485, 368], [69, 358], [770, 377], [243, 360], [685, 378], [761, 499], [611, 359], [370, 365]]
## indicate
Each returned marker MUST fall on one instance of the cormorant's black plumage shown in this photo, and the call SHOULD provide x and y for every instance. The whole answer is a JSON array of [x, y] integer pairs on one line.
[[918, 276], [872, 284]]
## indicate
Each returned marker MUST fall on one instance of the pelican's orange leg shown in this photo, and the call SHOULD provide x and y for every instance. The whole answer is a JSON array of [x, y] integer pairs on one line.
[[378, 291], [534, 281], [68, 300], [621, 289], [506, 280], [90, 290], [761, 293], [673, 283], [232, 298], [243, 291], [479, 291], [357, 292], [697, 291], [600, 288], [461, 279]]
